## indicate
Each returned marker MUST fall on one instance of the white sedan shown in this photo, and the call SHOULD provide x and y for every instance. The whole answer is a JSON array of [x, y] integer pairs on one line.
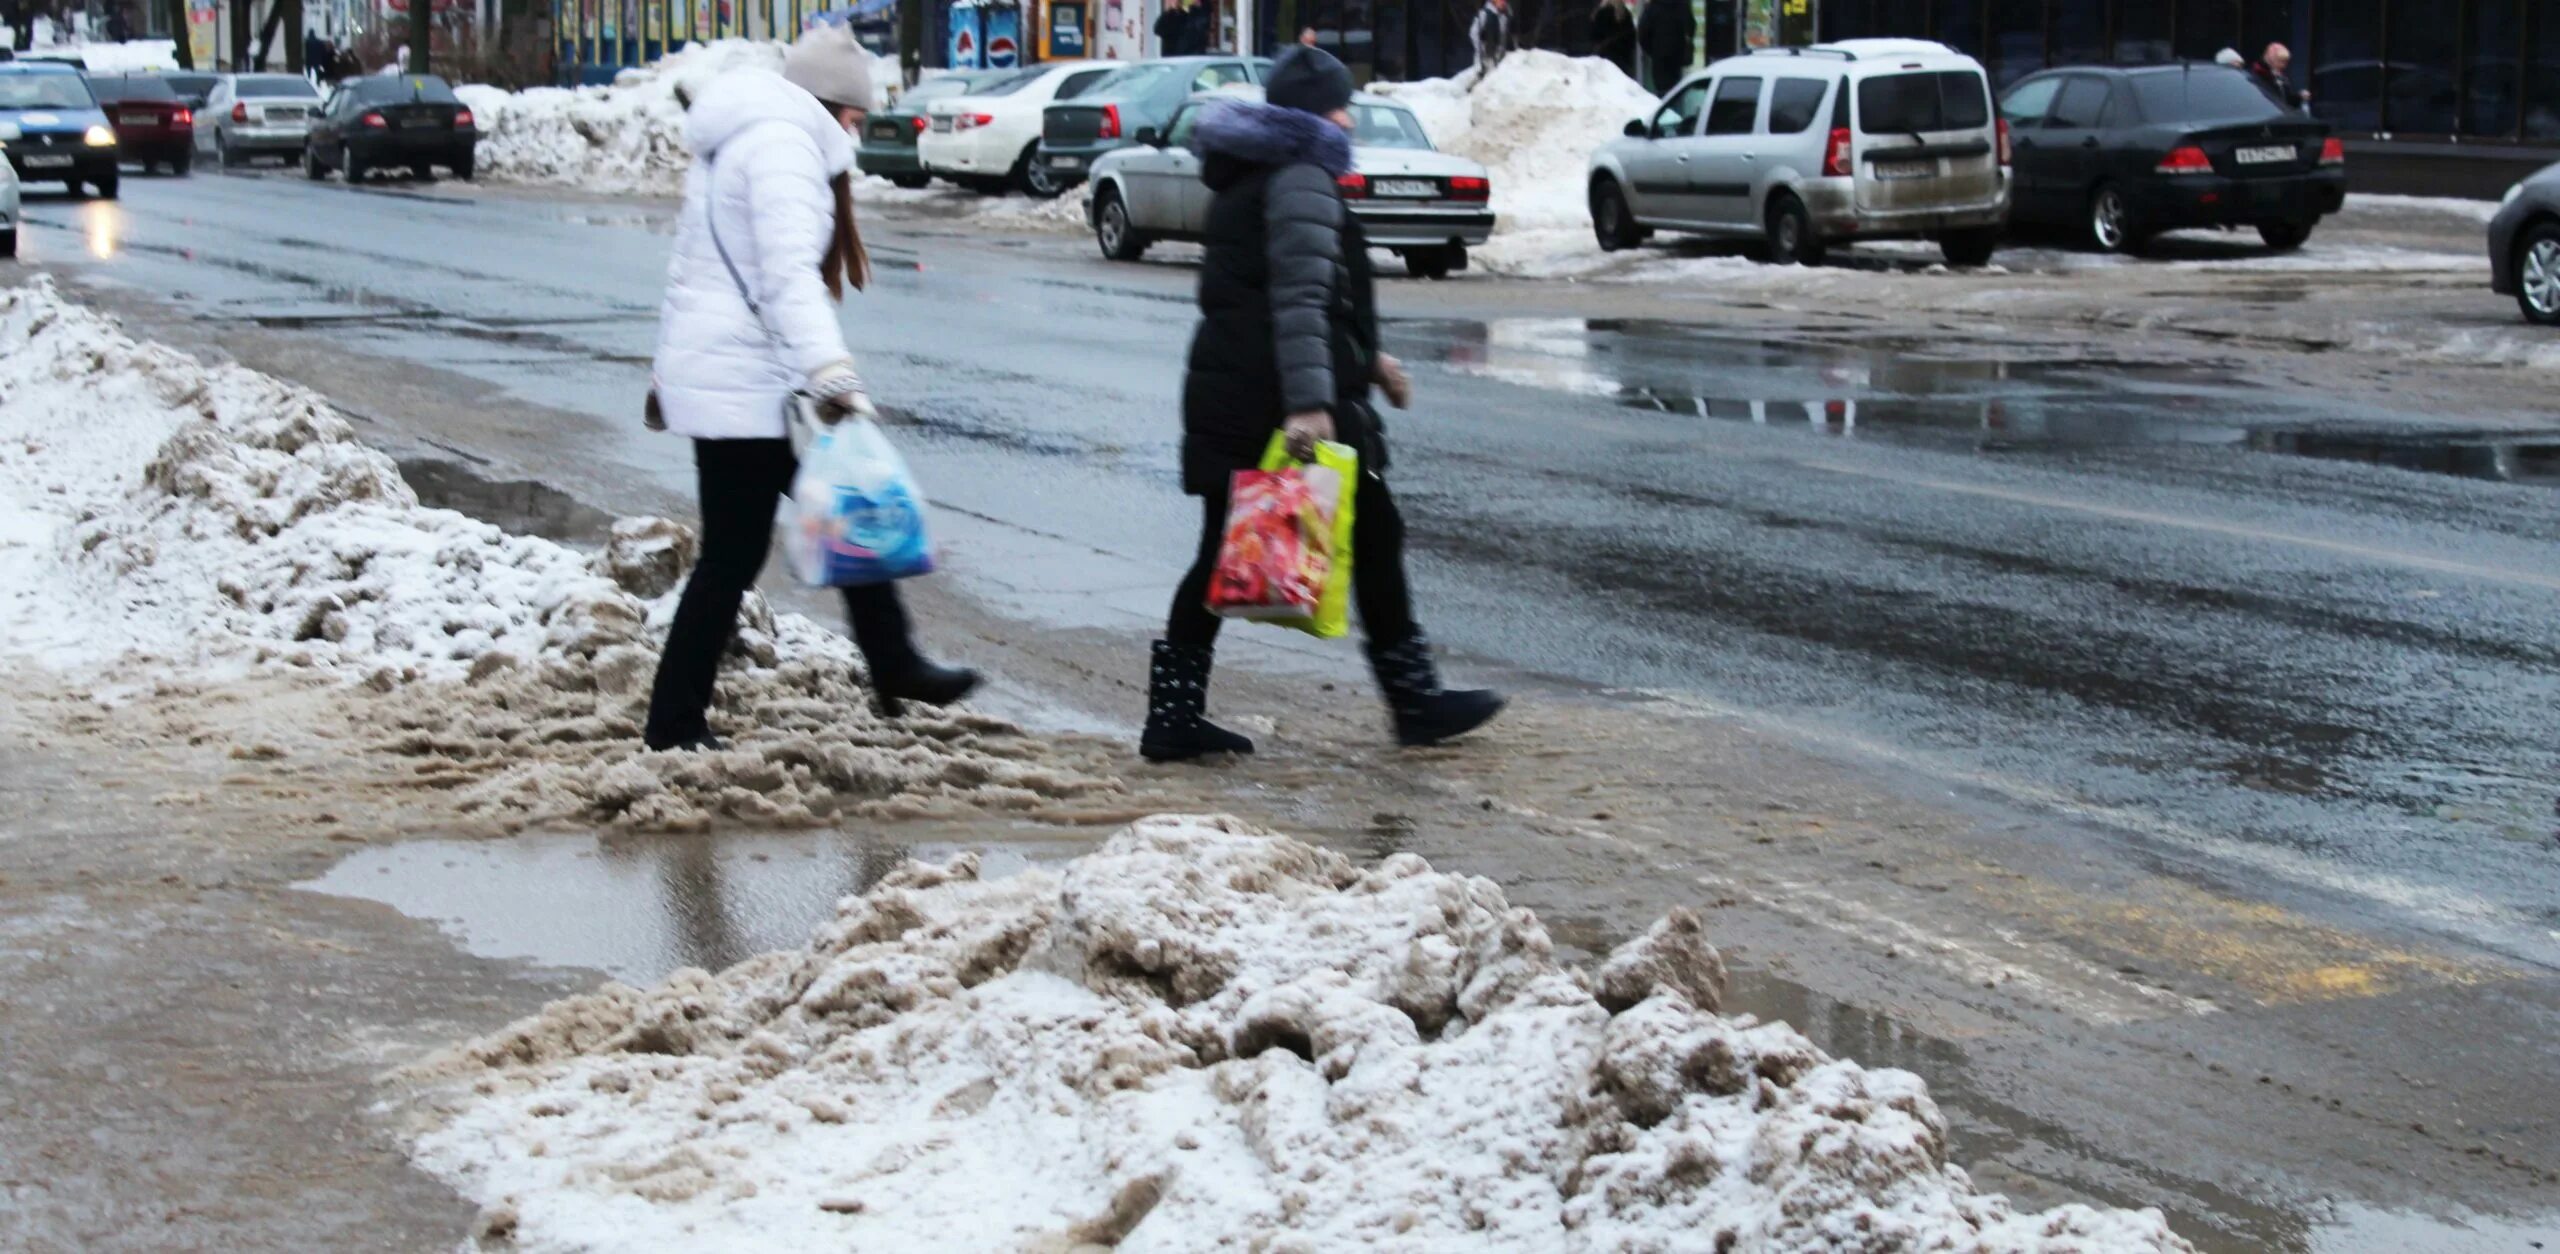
[[986, 140], [1425, 205]]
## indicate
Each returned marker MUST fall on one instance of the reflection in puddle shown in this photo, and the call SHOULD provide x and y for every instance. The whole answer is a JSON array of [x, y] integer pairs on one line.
[[102, 222], [638, 907], [1889, 390]]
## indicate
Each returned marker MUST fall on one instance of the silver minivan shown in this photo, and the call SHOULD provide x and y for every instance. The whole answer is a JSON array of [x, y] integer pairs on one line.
[[1864, 139]]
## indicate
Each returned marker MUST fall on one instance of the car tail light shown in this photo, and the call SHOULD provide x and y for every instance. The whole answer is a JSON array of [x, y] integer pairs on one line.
[[972, 121], [376, 121], [1469, 187], [1355, 185], [1110, 122], [2004, 143], [183, 117], [1835, 155], [2185, 159], [919, 123], [462, 117], [2333, 151], [239, 113]]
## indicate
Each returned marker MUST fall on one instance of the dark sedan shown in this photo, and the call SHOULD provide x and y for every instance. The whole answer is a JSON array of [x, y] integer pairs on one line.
[[153, 126], [2122, 154], [2524, 247], [889, 137], [1074, 134], [391, 121]]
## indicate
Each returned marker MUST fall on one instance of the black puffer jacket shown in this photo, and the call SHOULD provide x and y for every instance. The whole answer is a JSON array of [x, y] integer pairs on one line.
[[1288, 306]]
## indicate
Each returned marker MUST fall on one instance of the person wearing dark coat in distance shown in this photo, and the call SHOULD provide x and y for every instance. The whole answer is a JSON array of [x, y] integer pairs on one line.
[[1613, 35], [1177, 32], [1668, 33], [1288, 342]]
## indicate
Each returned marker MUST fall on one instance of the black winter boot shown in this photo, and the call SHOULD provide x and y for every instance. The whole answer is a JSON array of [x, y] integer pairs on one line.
[[1177, 691], [1425, 713], [922, 682]]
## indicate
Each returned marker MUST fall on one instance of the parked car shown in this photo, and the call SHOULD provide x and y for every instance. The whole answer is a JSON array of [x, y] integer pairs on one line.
[[889, 137], [257, 115], [2122, 154], [987, 139], [153, 127], [1802, 148], [388, 120], [53, 127], [1074, 135], [8, 210], [1425, 205], [191, 87], [2524, 247]]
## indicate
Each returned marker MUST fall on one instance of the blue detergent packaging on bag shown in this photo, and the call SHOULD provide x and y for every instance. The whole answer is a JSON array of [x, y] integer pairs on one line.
[[856, 516]]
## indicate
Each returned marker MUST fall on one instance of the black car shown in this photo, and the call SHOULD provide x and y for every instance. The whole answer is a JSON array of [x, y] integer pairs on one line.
[[889, 136], [391, 120], [2122, 154]]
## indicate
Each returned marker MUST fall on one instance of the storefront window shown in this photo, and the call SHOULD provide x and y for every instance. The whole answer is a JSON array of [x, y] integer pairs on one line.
[[2266, 22], [1392, 66], [2206, 27], [2017, 40], [2542, 78], [2346, 80], [2495, 34], [2418, 82], [1957, 24], [2142, 32], [2080, 32], [1901, 19]]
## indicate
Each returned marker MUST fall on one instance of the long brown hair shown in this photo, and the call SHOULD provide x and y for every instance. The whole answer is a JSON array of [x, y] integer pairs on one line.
[[846, 261]]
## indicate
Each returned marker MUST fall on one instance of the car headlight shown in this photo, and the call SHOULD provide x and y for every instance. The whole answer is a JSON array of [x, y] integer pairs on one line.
[[2512, 193], [99, 137]]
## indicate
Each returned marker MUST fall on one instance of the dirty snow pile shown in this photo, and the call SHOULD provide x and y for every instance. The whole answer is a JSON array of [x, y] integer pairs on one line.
[[162, 518], [1203, 1036], [1533, 123]]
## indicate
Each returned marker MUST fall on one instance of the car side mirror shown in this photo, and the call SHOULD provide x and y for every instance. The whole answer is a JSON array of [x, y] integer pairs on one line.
[[1147, 136], [1637, 129]]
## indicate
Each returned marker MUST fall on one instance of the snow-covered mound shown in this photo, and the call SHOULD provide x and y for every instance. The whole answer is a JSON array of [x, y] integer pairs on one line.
[[1205, 1036], [162, 518], [1534, 123]]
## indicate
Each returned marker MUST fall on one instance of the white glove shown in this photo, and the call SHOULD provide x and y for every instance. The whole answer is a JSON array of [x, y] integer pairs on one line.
[[838, 393]]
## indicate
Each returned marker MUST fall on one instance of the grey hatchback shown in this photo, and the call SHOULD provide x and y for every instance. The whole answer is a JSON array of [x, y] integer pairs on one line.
[[2524, 247]]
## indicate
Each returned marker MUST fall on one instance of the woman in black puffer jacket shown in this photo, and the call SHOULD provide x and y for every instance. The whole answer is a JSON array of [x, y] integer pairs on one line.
[[1288, 340]]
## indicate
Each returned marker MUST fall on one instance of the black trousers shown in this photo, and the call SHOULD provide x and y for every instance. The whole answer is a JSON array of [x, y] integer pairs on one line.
[[742, 484], [1378, 588]]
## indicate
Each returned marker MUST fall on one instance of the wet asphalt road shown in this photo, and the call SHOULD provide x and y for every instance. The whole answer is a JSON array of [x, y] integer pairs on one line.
[[2277, 631]]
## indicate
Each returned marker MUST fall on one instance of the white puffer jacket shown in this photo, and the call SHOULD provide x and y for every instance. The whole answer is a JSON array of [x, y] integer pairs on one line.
[[763, 152]]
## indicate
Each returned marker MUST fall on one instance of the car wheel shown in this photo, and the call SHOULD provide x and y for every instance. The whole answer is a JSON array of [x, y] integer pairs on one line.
[[1427, 263], [911, 182], [351, 168], [2113, 228], [2538, 275], [1791, 238], [182, 166], [1034, 177], [2284, 237], [1119, 240], [1612, 223], [311, 164], [107, 187], [9, 242], [1970, 248], [221, 151]]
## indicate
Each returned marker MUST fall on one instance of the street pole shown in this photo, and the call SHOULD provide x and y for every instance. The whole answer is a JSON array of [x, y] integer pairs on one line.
[[176, 13], [420, 22], [911, 40], [292, 35]]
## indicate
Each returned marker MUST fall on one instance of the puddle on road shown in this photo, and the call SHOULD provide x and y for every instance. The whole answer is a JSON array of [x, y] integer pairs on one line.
[[521, 506], [638, 907], [1899, 391]]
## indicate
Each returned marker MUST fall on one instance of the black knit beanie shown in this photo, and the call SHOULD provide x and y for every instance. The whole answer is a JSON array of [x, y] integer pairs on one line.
[[1309, 79]]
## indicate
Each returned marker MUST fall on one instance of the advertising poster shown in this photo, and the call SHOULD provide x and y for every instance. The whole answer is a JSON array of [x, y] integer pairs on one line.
[[964, 50], [204, 22], [1759, 26], [1066, 30], [1004, 37], [655, 20]]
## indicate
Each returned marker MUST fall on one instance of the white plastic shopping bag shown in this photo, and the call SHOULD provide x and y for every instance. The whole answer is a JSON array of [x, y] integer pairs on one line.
[[855, 515]]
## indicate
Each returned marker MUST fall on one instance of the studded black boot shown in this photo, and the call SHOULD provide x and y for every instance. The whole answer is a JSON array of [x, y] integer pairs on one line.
[[1424, 712], [1177, 691]]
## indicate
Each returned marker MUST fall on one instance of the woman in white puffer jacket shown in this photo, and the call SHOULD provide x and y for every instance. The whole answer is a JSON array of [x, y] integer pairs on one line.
[[771, 188]]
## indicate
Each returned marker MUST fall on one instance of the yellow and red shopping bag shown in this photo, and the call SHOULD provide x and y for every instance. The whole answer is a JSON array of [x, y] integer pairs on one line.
[[1286, 556]]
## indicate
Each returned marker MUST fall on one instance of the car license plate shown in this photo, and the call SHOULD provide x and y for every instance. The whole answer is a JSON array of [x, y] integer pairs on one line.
[[138, 119], [48, 160], [942, 126], [417, 124], [2263, 156], [1419, 188], [1906, 169], [1066, 163], [886, 130]]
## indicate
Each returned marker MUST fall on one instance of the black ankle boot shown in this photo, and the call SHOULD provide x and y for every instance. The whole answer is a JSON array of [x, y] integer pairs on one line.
[[922, 682], [1424, 712], [1177, 691]]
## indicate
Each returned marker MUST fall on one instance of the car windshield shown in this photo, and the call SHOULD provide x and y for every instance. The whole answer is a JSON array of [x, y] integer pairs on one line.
[[2204, 94], [1137, 80], [121, 89], [426, 89], [275, 87], [1008, 86], [1932, 100], [44, 91], [1384, 126]]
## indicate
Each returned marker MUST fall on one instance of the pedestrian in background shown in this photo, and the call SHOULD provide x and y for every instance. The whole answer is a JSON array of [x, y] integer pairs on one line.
[[2270, 70], [119, 27], [1491, 35], [1613, 35], [2232, 58], [1288, 341], [1667, 32], [1307, 37], [765, 245], [318, 57], [1174, 31]]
